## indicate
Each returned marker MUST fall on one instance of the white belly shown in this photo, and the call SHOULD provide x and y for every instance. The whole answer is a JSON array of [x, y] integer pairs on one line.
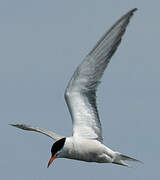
[[86, 150]]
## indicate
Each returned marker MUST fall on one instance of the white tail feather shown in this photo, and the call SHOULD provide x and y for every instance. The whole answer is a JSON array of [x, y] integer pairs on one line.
[[120, 158]]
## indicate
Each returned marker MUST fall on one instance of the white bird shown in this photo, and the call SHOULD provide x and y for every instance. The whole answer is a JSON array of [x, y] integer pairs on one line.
[[86, 142]]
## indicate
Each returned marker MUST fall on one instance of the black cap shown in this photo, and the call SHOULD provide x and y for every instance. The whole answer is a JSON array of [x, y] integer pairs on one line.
[[57, 146]]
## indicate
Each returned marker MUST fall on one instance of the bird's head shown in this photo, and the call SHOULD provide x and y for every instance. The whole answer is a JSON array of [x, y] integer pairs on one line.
[[56, 149]]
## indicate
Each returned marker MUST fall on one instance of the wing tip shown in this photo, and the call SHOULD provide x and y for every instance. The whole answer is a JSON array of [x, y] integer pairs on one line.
[[131, 12], [12, 125], [21, 126], [134, 9]]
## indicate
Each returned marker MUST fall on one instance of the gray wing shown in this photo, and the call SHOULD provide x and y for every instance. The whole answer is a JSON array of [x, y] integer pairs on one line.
[[40, 130], [80, 93]]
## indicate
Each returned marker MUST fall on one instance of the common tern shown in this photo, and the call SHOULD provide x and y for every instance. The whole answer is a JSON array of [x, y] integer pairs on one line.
[[86, 142]]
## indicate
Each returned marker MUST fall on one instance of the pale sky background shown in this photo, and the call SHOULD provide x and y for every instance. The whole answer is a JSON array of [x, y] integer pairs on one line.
[[41, 44]]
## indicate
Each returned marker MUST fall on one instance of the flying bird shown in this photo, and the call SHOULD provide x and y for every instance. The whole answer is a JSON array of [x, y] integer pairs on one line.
[[86, 142]]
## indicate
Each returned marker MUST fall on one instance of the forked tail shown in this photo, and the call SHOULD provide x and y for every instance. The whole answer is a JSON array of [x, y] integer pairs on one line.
[[120, 158]]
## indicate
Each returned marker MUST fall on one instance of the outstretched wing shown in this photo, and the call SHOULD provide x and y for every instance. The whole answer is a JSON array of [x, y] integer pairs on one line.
[[80, 93], [40, 130]]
